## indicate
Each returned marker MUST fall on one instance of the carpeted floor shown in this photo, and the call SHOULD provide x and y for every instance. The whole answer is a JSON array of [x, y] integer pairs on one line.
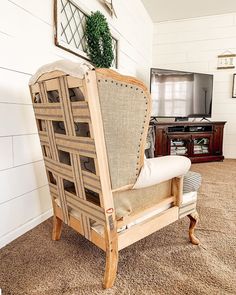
[[163, 263]]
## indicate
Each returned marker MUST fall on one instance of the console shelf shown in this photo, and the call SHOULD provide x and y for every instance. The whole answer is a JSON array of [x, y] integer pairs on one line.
[[199, 141]]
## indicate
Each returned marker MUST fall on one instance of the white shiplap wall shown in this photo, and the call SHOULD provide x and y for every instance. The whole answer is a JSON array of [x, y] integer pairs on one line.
[[193, 45], [26, 42]]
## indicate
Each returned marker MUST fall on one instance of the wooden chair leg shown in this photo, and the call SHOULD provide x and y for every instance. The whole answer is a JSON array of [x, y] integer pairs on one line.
[[111, 268], [57, 227], [194, 218]]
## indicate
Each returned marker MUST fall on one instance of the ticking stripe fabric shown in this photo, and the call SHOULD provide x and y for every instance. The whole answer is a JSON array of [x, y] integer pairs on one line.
[[192, 182]]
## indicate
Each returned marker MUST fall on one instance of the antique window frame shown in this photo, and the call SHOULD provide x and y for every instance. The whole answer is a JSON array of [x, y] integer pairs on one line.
[[58, 31]]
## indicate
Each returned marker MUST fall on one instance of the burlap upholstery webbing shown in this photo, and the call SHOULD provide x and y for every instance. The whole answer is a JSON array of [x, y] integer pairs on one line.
[[61, 109], [134, 201]]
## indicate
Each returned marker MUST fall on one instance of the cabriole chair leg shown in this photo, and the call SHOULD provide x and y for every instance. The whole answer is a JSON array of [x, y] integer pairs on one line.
[[194, 218], [57, 227]]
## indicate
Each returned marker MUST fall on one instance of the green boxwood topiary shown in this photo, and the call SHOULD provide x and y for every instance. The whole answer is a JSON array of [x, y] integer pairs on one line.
[[99, 40]]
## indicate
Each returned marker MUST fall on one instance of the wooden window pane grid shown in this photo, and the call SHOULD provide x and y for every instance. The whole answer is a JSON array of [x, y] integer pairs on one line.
[[71, 35], [73, 25]]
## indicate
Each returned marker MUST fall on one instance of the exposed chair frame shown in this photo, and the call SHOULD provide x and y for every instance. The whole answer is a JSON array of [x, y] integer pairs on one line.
[[101, 210]]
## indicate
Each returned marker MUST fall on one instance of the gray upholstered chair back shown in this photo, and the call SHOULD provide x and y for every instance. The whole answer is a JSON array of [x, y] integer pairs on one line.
[[125, 107]]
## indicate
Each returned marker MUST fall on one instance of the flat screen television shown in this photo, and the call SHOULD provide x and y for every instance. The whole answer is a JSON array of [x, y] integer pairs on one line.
[[180, 94]]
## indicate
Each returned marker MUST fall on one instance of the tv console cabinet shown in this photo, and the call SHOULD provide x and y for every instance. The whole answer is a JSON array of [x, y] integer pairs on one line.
[[199, 141]]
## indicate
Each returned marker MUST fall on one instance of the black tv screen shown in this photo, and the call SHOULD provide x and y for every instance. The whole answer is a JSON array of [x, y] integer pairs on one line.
[[180, 94]]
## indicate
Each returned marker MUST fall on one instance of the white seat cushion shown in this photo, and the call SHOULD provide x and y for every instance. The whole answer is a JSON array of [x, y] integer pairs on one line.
[[157, 170]]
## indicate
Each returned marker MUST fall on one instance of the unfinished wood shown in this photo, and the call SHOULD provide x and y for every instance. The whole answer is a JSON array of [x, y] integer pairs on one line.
[[34, 89], [74, 82], [57, 210], [52, 84], [111, 237], [57, 227], [98, 133], [96, 239], [177, 190], [140, 231], [111, 262]]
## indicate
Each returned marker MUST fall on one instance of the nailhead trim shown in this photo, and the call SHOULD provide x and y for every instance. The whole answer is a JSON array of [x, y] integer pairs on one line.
[[144, 122]]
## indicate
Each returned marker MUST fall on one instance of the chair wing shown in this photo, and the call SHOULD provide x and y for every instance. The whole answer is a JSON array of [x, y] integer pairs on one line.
[[125, 107]]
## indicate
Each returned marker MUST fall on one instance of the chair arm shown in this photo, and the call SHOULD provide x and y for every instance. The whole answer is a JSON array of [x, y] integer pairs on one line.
[[157, 170]]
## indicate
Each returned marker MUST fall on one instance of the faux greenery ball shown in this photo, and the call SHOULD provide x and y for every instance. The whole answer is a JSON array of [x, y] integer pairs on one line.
[[99, 40]]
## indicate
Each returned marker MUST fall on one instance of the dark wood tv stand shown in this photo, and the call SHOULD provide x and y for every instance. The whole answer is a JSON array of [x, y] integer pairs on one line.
[[200, 141]]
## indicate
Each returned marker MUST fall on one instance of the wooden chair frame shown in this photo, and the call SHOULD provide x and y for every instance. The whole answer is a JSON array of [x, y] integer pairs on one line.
[[65, 110]]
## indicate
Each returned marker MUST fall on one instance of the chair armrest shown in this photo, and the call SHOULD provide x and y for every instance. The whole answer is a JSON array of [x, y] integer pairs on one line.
[[157, 170]]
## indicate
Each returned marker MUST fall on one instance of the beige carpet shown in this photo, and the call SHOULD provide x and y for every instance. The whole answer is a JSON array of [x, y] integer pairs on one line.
[[163, 263]]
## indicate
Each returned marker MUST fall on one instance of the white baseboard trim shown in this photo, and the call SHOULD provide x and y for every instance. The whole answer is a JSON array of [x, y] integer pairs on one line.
[[9, 237]]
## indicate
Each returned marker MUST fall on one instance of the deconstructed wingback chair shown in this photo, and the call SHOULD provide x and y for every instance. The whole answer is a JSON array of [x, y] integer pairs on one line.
[[93, 126]]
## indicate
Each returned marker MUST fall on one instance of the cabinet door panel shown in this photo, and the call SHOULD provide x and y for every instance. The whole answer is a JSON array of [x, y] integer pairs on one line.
[[218, 139], [179, 145], [161, 143], [201, 144]]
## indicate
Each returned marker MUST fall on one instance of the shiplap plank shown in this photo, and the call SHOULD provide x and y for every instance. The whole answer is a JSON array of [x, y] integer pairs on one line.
[[16, 119], [13, 214], [6, 156], [26, 149], [19, 180]]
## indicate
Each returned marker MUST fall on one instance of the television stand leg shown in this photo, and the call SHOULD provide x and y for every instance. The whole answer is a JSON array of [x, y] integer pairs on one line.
[[204, 118]]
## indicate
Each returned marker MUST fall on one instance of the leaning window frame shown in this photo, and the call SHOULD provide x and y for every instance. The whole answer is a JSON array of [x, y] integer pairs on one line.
[[68, 47]]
